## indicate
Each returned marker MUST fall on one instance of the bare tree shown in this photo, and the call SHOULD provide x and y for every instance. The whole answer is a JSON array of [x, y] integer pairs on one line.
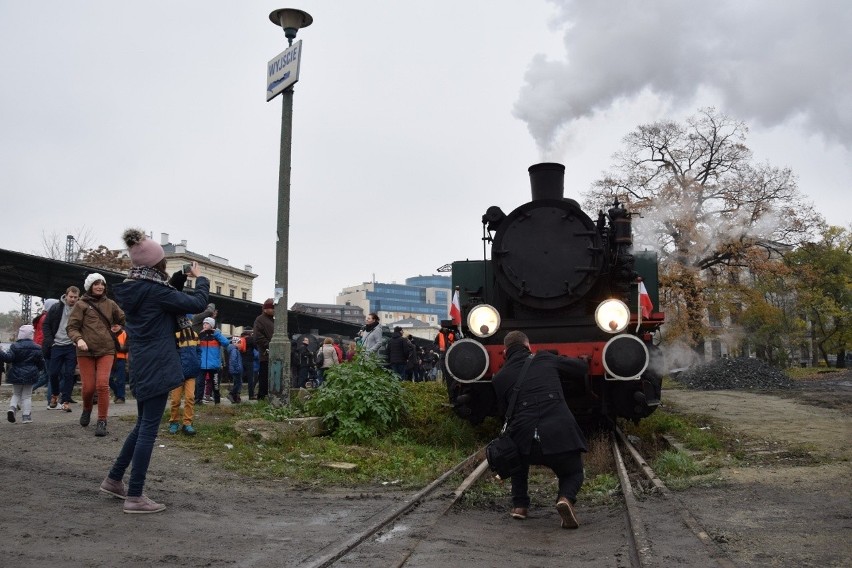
[[705, 206], [53, 245]]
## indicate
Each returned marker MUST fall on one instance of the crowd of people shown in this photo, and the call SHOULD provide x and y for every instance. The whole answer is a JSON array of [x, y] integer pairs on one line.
[[178, 357], [83, 338]]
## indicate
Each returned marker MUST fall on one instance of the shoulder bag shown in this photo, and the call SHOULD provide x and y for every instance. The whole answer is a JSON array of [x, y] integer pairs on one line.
[[502, 453]]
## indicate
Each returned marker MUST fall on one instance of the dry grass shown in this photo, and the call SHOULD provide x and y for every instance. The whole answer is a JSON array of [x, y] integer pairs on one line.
[[599, 458]]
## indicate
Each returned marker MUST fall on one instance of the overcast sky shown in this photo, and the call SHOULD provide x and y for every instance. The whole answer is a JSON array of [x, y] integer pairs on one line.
[[410, 118]]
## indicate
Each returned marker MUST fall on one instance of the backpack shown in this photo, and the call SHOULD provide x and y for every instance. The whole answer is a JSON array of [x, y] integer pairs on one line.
[[319, 358]]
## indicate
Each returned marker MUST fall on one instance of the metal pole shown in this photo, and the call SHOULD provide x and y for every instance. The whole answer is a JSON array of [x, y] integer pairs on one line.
[[26, 308], [279, 346]]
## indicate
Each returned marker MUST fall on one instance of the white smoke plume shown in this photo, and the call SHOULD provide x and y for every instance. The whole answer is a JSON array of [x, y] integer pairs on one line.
[[766, 62]]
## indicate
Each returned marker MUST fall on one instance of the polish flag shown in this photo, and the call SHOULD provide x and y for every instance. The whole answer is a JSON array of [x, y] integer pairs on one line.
[[645, 303], [455, 309]]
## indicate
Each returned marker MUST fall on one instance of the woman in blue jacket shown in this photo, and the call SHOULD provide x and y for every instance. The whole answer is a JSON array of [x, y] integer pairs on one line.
[[152, 307]]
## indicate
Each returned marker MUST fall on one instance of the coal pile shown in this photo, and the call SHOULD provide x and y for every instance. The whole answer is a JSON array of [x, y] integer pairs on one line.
[[744, 373]]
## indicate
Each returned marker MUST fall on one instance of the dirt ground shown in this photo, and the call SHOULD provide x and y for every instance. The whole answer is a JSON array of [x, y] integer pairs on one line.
[[789, 505]]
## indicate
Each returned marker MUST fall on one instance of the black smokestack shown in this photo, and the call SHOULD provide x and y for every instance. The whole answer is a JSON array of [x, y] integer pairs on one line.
[[547, 181]]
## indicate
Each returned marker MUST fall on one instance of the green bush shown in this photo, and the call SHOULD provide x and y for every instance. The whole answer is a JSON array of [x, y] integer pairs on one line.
[[358, 400]]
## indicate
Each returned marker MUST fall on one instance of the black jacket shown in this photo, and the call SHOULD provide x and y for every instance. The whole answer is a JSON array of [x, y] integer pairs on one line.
[[541, 404], [399, 349], [305, 356], [51, 326]]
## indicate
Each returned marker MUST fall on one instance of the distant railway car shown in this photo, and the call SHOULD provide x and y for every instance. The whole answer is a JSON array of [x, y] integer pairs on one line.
[[572, 285]]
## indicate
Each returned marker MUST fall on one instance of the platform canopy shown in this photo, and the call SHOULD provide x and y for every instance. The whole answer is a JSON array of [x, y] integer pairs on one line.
[[41, 277]]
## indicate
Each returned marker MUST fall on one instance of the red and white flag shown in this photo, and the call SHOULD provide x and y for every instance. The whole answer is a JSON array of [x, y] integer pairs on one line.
[[645, 303], [455, 309]]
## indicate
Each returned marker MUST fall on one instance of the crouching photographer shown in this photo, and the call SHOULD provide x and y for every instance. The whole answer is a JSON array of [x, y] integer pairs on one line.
[[541, 424]]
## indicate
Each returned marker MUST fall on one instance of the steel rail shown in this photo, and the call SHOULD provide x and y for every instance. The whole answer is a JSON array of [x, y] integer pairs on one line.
[[686, 516], [328, 558], [457, 494], [640, 548]]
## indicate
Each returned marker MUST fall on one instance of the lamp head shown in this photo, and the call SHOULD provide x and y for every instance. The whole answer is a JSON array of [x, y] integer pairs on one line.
[[291, 20]]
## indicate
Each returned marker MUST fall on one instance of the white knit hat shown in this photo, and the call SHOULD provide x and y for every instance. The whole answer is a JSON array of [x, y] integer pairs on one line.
[[211, 321], [25, 332], [91, 279]]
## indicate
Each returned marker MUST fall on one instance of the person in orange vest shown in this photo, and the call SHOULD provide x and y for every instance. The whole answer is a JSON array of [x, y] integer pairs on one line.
[[445, 338], [118, 378]]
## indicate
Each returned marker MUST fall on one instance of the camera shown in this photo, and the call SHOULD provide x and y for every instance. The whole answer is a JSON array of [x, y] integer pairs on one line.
[[187, 268]]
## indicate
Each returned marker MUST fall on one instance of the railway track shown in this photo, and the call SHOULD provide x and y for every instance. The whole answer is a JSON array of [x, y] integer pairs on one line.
[[420, 510], [641, 545], [394, 535]]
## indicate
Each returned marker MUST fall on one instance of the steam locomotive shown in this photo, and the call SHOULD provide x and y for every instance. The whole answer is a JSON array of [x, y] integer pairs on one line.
[[573, 286]]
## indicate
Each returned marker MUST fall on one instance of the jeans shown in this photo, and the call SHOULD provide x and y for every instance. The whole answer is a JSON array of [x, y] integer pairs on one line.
[[304, 375], [263, 381], [248, 377], [118, 380], [399, 369], [139, 444], [237, 378], [44, 380], [63, 360], [207, 377], [567, 466]]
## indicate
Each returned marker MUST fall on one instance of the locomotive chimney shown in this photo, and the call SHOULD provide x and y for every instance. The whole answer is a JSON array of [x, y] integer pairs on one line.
[[547, 181]]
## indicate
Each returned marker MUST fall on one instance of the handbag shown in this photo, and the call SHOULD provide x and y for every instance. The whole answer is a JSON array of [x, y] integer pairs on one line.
[[502, 453], [115, 341]]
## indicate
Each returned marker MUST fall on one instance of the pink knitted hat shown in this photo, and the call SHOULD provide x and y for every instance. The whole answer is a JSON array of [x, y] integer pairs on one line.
[[143, 251]]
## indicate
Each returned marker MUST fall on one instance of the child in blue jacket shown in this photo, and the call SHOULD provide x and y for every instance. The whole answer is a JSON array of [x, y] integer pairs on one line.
[[27, 362], [211, 341], [235, 368]]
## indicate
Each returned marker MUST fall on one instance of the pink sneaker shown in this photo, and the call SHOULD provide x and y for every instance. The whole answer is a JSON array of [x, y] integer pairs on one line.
[[114, 488], [142, 504]]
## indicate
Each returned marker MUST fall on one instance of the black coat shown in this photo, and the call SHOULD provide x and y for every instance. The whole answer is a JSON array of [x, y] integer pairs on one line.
[[151, 309], [541, 405], [51, 325], [399, 348]]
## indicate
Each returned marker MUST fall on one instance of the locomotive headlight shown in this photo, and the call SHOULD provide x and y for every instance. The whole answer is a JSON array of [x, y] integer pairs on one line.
[[483, 320], [612, 316]]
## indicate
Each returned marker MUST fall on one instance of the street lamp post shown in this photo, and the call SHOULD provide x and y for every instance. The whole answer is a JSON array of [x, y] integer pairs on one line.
[[291, 20]]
